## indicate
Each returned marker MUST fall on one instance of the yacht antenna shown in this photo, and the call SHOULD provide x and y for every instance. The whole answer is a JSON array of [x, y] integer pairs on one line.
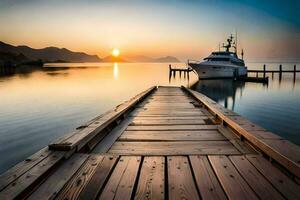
[[236, 49], [242, 53]]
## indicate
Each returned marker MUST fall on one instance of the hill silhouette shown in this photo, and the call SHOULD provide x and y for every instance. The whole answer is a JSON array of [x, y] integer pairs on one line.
[[49, 54]]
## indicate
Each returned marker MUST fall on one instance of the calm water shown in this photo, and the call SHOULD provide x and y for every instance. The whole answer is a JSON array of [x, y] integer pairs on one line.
[[37, 106]]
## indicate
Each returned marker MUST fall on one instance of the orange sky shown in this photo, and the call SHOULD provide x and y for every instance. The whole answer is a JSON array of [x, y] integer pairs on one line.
[[184, 30]]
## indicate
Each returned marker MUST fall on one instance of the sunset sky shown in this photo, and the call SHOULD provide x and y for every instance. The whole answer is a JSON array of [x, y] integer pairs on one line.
[[267, 30]]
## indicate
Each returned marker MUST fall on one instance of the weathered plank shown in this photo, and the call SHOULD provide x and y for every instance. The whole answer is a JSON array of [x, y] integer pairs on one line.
[[171, 135], [234, 185], [255, 179], [80, 179], [97, 181], [19, 187], [151, 184], [183, 118], [279, 180], [171, 128], [104, 145], [50, 188], [170, 112], [181, 106], [180, 179], [22, 167], [167, 122], [235, 141], [168, 109], [121, 182], [134, 114], [286, 148], [174, 148], [206, 180]]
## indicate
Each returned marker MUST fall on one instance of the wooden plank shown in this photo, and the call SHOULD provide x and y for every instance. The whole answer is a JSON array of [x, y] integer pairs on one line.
[[50, 188], [183, 118], [152, 106], [167, 122], [174, 148], [166, 115], [180, 179], [21, 186], [266, 135], [235, 141], [206, 180], [79, 181], [151, 184], [83, 136], [255, 179], [283, 184], [104, 145], [286, 148], [171, 135], [234, 185], [22, 167], [170, 111], [121, 182], [246, 124], [97, 181], [166, 108], [171, 128], [158, 98]]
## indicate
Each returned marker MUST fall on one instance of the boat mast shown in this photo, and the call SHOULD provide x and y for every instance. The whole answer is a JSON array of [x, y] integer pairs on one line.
[[236, 47]]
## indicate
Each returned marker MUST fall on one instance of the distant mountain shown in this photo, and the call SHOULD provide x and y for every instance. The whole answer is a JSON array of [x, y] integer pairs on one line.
[[141, 58], [49, 54], [113, 59], [167, 59]]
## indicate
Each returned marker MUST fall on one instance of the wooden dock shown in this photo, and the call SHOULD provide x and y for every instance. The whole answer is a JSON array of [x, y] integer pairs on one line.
[[165, 143]]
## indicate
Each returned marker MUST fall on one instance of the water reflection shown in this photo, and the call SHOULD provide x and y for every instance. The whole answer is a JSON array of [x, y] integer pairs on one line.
[[174, 76], [221, 90], [27, 70], [116, 71]]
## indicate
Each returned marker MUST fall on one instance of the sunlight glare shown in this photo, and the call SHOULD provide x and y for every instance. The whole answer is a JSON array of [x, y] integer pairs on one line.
[[116, 52], [116, 71]]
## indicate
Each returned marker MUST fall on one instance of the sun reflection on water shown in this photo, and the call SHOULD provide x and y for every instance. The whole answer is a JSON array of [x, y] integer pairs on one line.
[[116, 71]]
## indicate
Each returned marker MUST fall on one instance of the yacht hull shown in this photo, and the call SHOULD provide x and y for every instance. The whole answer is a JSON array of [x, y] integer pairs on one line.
[[218, 71]]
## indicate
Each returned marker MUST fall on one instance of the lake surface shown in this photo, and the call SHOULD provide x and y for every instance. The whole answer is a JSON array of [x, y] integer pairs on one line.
[[39, 105]]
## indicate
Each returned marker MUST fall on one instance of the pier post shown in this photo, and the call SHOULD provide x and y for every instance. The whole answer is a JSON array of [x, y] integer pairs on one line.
[[264, 71], [295, 69], [280, 68]]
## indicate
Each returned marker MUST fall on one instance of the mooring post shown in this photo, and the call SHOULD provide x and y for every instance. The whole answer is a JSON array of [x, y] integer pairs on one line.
[[295, 69], [170, 67], [264, 71], [280, 68]]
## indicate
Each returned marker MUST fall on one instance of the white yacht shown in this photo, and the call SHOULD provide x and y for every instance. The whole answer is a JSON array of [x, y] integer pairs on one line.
[[221, 64]]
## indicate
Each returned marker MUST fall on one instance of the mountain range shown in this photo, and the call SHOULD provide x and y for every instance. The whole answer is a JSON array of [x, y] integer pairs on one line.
[[54, 54]]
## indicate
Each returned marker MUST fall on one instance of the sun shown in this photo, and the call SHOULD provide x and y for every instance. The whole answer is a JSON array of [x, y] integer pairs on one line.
[[116, 52]]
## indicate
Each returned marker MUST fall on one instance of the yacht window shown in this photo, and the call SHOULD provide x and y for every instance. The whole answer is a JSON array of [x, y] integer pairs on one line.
[[218, 59]]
